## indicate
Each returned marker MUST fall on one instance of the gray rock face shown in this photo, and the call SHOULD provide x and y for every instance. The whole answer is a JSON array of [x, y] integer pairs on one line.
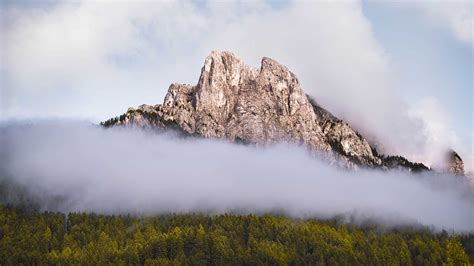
[[455, 164], [235, 101]]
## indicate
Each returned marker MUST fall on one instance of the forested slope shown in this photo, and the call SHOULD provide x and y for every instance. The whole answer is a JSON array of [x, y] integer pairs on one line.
[[53, 238]]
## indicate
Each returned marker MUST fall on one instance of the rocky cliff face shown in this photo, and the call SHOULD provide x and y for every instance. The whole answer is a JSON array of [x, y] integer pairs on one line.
[[235, 101], [455, 163]]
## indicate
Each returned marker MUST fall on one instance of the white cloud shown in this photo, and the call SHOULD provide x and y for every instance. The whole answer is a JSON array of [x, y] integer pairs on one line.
[[123, 170], [91, 58], [457, 16], [438, 135], [94, 59]]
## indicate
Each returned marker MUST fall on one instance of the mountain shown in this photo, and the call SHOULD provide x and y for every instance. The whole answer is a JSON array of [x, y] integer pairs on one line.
[[261, 106], [455, 163]]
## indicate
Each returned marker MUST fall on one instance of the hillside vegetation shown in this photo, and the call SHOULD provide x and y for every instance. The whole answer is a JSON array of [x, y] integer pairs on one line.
[[33, 238]]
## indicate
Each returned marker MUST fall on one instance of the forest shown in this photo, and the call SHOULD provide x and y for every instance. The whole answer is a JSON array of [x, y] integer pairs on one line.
[[39, 238]]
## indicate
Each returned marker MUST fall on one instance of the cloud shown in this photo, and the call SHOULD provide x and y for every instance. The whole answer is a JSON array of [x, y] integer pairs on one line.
[[94, 59], [132, 171], [456, 16], [81, 60], [439, 136]]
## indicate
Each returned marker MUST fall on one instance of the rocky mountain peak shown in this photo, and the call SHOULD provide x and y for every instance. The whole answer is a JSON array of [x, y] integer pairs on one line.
[[455, 164], [235, 101]]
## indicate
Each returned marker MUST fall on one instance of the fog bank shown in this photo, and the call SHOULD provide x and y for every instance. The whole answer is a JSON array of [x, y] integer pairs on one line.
[[133, 171]]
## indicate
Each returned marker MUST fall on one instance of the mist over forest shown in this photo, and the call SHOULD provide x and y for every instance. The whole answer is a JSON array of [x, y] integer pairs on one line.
[[269, 132], [70, 166]]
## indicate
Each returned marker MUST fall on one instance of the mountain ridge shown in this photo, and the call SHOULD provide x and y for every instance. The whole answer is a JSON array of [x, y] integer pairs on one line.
[[262, 106]]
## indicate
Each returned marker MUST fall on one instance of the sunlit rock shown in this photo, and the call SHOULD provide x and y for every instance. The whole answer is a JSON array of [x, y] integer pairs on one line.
[[262, 106]]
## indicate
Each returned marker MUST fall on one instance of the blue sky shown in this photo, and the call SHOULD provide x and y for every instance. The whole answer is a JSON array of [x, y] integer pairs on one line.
[[400, 72], [430, 62]]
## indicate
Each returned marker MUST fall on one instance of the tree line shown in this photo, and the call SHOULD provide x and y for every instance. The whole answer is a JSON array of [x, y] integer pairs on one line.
[[38, 238]]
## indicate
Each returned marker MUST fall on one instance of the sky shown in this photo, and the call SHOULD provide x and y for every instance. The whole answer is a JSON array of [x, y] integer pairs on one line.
[[399, 72]]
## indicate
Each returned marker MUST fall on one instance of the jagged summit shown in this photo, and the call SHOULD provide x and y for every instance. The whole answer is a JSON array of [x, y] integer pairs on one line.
[[238, 102], [455, 164]]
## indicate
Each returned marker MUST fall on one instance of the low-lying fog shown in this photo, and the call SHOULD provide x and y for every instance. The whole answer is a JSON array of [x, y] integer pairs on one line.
[[89, 168]]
